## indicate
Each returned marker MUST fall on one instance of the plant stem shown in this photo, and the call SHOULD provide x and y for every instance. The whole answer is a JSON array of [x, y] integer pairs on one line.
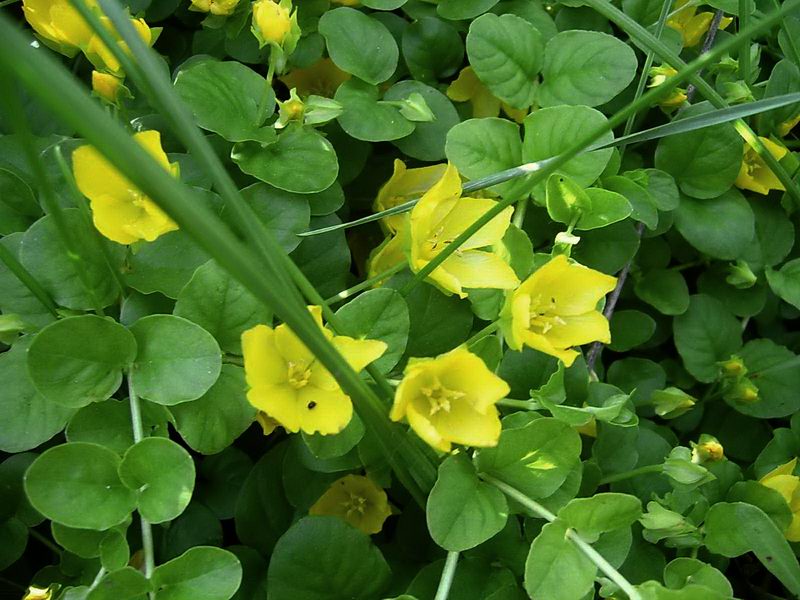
[[576, 539], [519, 213], [25, 277], [45, 541], [711, 35], [448, 573], [523, 404], [147, 528], [744, 52], [488, 330], [366, 284], [5, 3], [98, 578], [632, 473]]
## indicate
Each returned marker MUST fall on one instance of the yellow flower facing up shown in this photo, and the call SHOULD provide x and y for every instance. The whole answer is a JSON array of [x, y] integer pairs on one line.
[[692, 25], [754, 174], [785, 127], [120, 210], [107, 86], [438, 218], [556, 309], [59, 24], [357, 500], [405, 184], [450, 399], [274, 23], [221, 8], [783, 481], [468, 88], [322, 78], [291, 386]]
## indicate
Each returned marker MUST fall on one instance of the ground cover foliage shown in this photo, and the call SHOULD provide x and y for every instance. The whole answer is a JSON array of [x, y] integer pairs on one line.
[[384, 299]]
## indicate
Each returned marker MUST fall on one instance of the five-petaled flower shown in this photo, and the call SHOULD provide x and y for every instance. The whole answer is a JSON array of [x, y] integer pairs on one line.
[[754, 174], [556, 309], [357, 500], [120, 210], [450, 399], [290, 385], [692, 25], [783, 480]]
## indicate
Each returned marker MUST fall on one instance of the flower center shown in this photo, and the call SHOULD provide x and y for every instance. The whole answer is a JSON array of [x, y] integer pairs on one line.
[[439, 397], [434, 244], [543, 316], [298, 374], [355, 505]]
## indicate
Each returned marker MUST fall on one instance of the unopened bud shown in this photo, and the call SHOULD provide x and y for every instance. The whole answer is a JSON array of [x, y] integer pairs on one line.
[[671, 402], [707, 449]]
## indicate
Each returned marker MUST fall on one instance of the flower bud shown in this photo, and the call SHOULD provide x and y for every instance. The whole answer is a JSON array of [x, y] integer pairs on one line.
[[671, 402], [680, 468], [37, 593], [272, 21], [733, 367], [744, 390], [107, 87], [740, 275], [707, 449], [215, 7], [321, 110], [292, 110]]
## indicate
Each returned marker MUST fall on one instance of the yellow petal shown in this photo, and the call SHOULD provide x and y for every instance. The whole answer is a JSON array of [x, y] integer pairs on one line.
[[467, 372], [323, 411], [359, 353], [580, 329], [263, 364], [785, 485], [434, 205], [462, 424], [279, 402], [695, 28], [784, 469], [422, 426], [468, 210], [542, 344], [389, 254], [96, 177], [478, 269]]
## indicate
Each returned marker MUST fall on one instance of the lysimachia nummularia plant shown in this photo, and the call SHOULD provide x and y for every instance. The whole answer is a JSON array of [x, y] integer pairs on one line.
[[399, 299]]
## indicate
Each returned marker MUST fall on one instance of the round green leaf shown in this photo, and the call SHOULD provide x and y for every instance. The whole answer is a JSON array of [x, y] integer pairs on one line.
[[359, 44], [462, 510], [212, 422], [463, 9], [77, 485], [769, 366], [601, 513], [83, 542], [301, 161], [432, 49], [506, 52], [364, 118], [177, 361], [226, 97], [283, 213], [630, 328], [14, 534], [201, 573], [123, 584], [556, 568], [80, 360], [721, 227], [338, 445], [585, 67], [165, 265], [163, 474], [324, 557], [785, 282], [15, 298], [325, 259], [774, 236], [28, 418], [18, 206], [663, 289], [683, 571]]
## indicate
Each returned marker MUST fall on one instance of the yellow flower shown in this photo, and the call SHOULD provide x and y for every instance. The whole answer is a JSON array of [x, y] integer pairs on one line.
[[357, 500], [288, 383], [467, 87], [37, 593], [405, 184], [438, 218], [58, 23], [106, 86], [268, 424], [785, 127], [390, 253], [658, 75], [555, 309], [450, 399], [754, 174], [707, 449], [101, 56], [787, 485], [120, 210], [347, 2], [692, 25], [322, 78], [215, 7], [273, 21]]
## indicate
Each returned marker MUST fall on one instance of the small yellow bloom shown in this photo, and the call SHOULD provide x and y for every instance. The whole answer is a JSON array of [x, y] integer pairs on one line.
[[268, 424], [57, 22], [322, 78], [555, 309], [405, 184], [754, 174], [785, 127], [707, 449], [290, 385], [468, 88], [37, 593], [438, 218], [743, 390], [120, 210], [783, 481], [101, 56], [215, 7], [658, 75], [450, 399], [692, 25], [273, 21], [106, 86], [357, 500]]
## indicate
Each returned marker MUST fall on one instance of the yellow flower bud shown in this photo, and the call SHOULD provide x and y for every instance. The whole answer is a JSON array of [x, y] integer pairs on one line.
[[59, 24], [106, 86], [272, 22], [743, 390], [215, 7], [733, 367], [708, 449]]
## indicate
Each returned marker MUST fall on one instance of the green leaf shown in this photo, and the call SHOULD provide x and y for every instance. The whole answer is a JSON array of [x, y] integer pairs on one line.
[[773, 370], [535, 458], [200, 573], [15, 297], [631, 328], [462, 510], [64, 480], [178, 361], [162, 473], [44, 254], [285, 214], [774, 236], [506, 53], [18, 206], [212, 422], [28, 418], [82, 542], [220, 305], [785, 282], [706, 334], [432, 49], [704, 162], [605, 208], [645, 209], [301, 161], [324, 557], [124, 584], [165, 265], [600, 513], [380, 314], [585, 67], [663, 289], [683, 571], [14, 534], [556, 569], [608, 249], [457, 10], [80, 360], [367, 119], [225, 97], [721, 227], [349, 33], [733, 529], [550, 131], [325, 447], [325, 259]]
